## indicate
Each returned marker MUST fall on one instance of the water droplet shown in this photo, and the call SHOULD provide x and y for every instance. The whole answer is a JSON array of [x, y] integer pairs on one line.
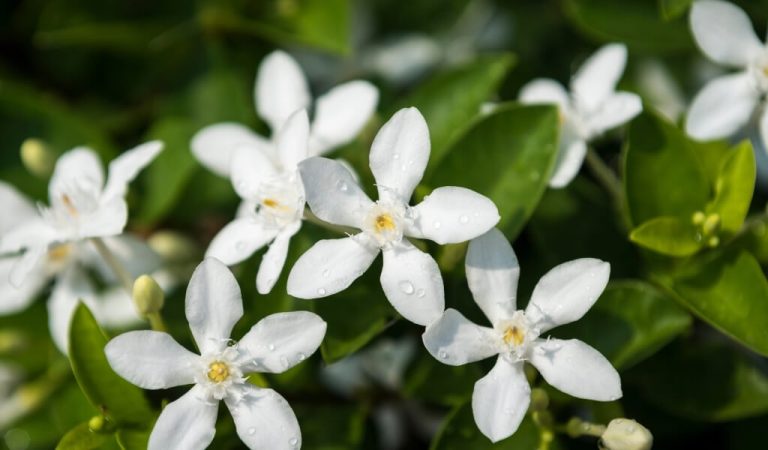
[[464, 218], [240, 245], [252, 431], [302, 356], [421, 293], [442, 355], [436, 224], [509, 411], [321, 291], [242, 185], [342, 185], [326, 272], [407, 287], [293, 441], [284, 362], [396, 156], [271, 347]]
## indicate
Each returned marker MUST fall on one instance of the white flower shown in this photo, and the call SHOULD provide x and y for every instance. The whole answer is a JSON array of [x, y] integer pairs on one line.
[[281, 90], [500, 399], [410, 277], [592, 107], [154, 360], [273, 199], [725, 34]]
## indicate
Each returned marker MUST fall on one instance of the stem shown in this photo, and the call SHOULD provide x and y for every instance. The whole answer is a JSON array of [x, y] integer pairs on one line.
[[156, 322], [117, 267], [604, 175], [312, 218]]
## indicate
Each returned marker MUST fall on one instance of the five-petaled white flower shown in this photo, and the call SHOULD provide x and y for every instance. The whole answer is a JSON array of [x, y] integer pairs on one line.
[[500, 399], [154, 360], [410, 277], [725, 34], [592, 107]]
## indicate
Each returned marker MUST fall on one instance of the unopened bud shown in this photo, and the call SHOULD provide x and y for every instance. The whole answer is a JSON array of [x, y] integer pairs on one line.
[[711, 224], [698, 218], [173, 246], [713, 242], [147, 295], [96, 423], [37, 158], [626, 434]]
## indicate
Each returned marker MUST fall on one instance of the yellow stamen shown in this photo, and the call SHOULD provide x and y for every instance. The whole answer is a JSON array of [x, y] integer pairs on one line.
[[765, 71], [69, 205], [514, 335], [384, 222], [59, 253], [269, 203], [218, 371]]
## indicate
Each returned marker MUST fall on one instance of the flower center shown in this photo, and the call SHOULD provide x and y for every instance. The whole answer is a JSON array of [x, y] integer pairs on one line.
[[270, 203], [69, 205], [384, 223], [280, 201], [59, 253], [514, 336], [218, 371]]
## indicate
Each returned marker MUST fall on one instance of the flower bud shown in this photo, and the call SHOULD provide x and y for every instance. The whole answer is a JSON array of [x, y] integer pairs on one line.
[[711, 224], [173, 246], [698, 218], [147, 295], [626, 434], [96, 423], [37, 158]]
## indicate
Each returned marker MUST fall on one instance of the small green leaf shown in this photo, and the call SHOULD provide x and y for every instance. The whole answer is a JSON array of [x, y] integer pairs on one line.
[[734, 187], [110, 394], [82, 438], [507, 156], [672, 236], [631, 321], [671, 9]]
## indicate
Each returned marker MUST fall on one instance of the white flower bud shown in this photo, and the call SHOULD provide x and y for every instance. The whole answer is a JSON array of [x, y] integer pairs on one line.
[[147, 295], [37, 158], [626, 434]]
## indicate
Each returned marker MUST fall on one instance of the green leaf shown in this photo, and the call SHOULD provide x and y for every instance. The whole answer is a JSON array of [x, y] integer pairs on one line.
[[662, 176], [734, 187], [111, 395], [507, 156], [631, 321], [450, 100], [730, 292], [634, 22], [331, 426], [430, 380], [132, 439], [82, 438], [671, 9], [672, 236]]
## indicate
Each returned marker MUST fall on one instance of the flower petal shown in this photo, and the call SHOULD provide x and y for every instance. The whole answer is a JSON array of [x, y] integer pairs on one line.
[[124, 168], [724, 33], [400, 153], [27, 264], [79, 167], [188, 423], [214, 145], [109, 219], [332, 193], [12, 298], [213, 304], [454, 340], [341, 113], [31, 233], [544, 90], [264, 420], [330, 266], [723, 106], [500, 400], [133, 253], [281, 89], [565, 293], [570, 157], [450, 215], [492, 274], [597, 77], [17, 208], [274, 259], [71, 286], [114, 308], [151, 359], [239, 239], [618, 109], [763, 130], [282, 340], [412, 283], [250, 167], [576, 369], [292, 140]]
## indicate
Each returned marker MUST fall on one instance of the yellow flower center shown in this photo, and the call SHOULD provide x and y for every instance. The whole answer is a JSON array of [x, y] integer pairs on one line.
[[384, 222], [60, 252], [269, 203], [514, 335], [218, 371], [765, 71], [69, 205]]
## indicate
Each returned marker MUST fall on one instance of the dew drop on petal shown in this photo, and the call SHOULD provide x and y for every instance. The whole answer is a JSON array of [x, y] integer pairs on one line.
[[342, 185], [406, 287], [271, 347], [443, 354], [464, 218], [240, 246], [284, 362], [326, 272], [436, 224], [321, 291], [252, 431], [302, 356], [396, 156], [421, 293], [509, 411], [293, 441]]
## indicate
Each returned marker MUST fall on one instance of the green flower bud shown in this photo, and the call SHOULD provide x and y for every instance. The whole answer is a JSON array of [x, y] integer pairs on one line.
[[96, 423], [698, 218], [711, 224], [626, 434], [37, 158], [147, 295]]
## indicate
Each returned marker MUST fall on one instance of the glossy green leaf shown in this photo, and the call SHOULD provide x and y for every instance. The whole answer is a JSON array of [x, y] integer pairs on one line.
[[331, 427], [110, 394], [754, 239], [82, 438], [662, 175], [132, 439], [672, 236], [432, 381], [671, 9], [734, 187], [631, 321], [730, 292], [507, 156]]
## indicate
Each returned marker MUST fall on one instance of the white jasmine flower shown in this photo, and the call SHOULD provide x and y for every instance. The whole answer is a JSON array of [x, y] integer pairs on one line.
[[724, 33], [500, 399], [410, 277], [592, 107], [281, 90], [154, 360]]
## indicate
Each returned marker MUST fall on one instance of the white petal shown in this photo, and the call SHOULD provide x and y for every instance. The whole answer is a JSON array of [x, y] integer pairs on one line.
[[274, 259], [250, 167], [330, 266], [400, 153], [332, 193], [565, 293], [151, 359], [576, 369], [31, 233], [124, 168], [764, 129], [71, 286], [214, 145], [133, 253], [617, 109], [723, 106], [109, 219], [78, 167], [280, 341], [724, 33], [492, 274], [544, 90], [17, 208], [412, 283], [292, 140], [341, 113], [281, 89], [213, 304], [500, 400], [188, 423], [570, 157], [12, 298], [114, 308], [265, 421], [450, 215], [596, 79], [27, 264], [239, 239], [454, 340]]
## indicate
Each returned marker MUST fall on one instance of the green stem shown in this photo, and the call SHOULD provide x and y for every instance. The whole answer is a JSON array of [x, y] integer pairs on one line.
[[310, 217], [117, 267], [604, 175], [156, 322]]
